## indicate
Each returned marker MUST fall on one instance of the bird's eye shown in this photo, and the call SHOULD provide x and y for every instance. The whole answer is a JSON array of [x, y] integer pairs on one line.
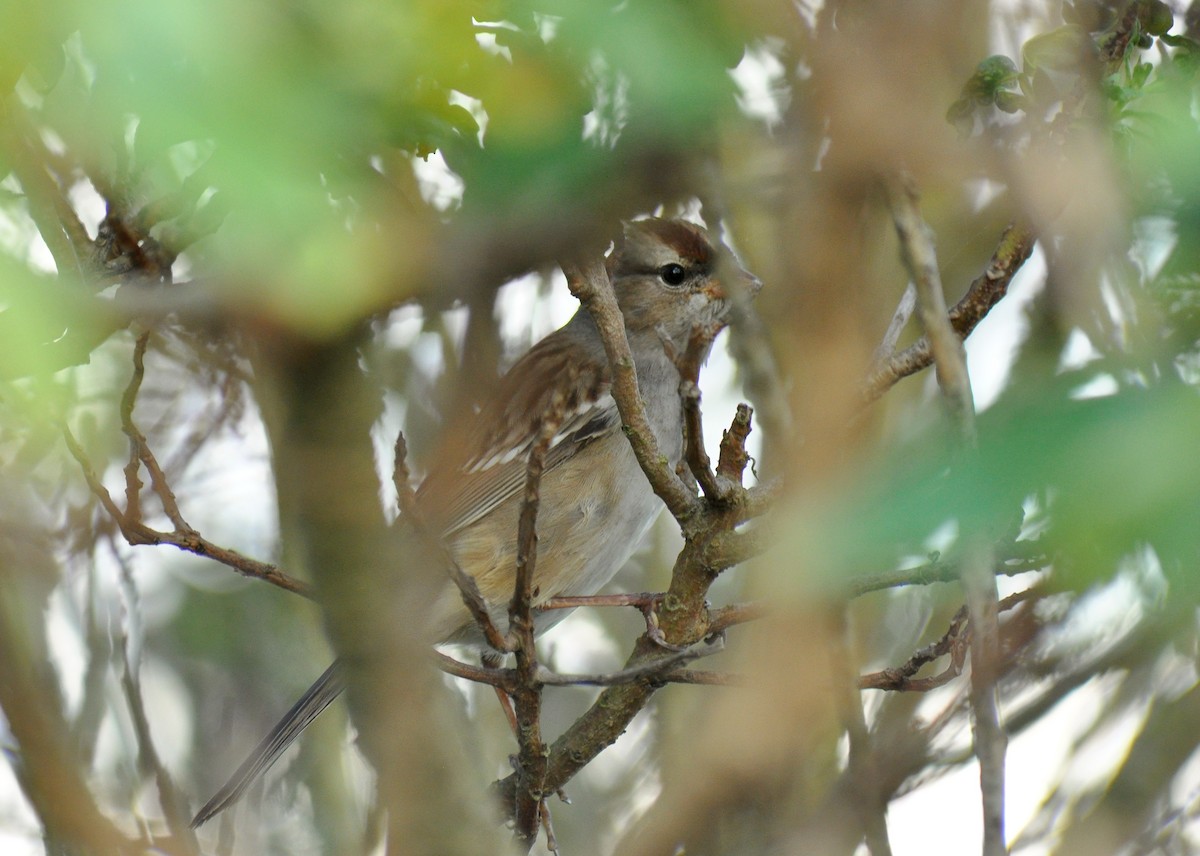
[[672, 274]]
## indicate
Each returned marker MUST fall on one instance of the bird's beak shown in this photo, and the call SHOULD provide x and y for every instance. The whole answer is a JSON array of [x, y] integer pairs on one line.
[[744, 282], [749, 281]]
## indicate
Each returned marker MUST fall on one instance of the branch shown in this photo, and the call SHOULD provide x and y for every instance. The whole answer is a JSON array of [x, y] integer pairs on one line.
[[683, 622], [978, 579], [937, 571], [728, 549], [731, 465], [532, 756], [191, 541], [591, 286], [900, 678], [688, 365], [1014, 249], [150, 764], [869, 803], [53, 215]]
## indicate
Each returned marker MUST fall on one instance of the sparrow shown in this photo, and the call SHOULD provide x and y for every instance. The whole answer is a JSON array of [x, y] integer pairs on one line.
[[670, 277]]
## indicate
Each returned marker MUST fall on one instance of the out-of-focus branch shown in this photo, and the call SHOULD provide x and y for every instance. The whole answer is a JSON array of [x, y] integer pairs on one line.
[[900, 318], [184, 536], [978, 578], [945, 346], [938, 571], [372, 614], [173, 803], [869, 803], [901, 678], [991, 742], [54, 217], [46, 766], [1015, 247]]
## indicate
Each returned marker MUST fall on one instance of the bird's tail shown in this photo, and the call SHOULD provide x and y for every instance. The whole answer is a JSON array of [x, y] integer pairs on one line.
[[304, 711]]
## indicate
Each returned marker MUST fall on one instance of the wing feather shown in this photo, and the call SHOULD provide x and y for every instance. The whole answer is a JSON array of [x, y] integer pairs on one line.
[[470, 482]]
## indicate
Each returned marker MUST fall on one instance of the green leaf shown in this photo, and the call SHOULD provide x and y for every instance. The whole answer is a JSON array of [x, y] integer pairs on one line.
[[1062, 49], [1178, 41], [994, 74], [1140, 74], [1010, 102], [1155, 17]]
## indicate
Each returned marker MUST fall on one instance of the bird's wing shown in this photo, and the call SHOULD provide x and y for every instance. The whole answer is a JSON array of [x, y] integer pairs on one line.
[[490, 467]]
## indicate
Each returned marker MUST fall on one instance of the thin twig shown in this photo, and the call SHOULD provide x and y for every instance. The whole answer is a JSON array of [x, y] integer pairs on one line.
[[172, 801], [191, 541], [650, 670], [900, 678], [1013, 250], [900, 318], [688, 365], [532, 754], [140, 450], [938, 570]]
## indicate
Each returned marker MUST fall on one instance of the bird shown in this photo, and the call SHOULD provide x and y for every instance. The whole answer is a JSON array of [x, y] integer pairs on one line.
[[670, 276]]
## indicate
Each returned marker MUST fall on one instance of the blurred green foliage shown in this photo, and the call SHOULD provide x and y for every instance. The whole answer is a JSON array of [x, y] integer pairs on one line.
[[280, 109]]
